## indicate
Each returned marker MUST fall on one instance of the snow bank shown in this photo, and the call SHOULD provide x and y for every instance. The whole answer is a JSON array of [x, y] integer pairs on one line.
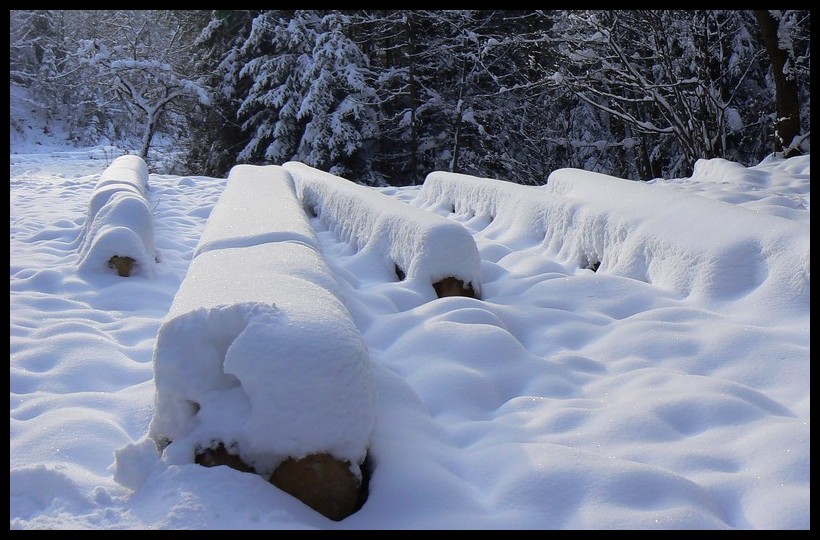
[[118, 233], [420, 246], [257, 206], [678, 241], [257, 352]]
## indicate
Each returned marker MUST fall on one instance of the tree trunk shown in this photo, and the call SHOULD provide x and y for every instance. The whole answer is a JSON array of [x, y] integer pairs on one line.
[[787, 106], [148, 135], [414, 136], [459, 113]]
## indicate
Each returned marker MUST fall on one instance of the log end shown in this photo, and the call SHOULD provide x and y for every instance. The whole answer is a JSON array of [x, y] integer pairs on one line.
[[123, 265], [451, 286]]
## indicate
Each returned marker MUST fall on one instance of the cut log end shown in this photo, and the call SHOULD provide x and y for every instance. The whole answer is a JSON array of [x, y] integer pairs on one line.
[[321, 481], [123, 265], [451, 286], [213, 457]]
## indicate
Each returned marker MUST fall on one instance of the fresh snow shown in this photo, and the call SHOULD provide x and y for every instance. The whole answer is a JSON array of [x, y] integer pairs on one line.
[[257, 206], [677, 397], [425, 247], [726, 252], [257, 352], [119, 221]]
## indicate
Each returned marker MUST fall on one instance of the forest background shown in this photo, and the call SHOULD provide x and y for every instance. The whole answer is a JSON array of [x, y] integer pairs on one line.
[[383, 97]]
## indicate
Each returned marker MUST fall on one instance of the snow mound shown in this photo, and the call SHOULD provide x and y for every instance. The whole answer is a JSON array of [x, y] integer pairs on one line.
[[721, 170], [678, 241], [696, 245]]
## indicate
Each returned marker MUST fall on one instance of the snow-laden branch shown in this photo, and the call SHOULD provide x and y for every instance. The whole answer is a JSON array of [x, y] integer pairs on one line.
[[147, 84]]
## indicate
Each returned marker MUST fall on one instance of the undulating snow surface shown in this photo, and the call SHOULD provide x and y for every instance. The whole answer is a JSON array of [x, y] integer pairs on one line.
[[668, 389]]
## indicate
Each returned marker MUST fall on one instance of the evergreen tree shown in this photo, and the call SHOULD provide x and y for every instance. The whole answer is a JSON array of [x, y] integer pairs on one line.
[[386, 96], [308, 97], [216, 135]]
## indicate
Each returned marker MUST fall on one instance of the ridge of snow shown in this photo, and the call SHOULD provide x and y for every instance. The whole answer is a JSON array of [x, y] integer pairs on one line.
[[257, 206], [640, 231]]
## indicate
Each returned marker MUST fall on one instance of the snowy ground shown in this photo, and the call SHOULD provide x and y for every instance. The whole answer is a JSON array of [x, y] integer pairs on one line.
[[563, 399]]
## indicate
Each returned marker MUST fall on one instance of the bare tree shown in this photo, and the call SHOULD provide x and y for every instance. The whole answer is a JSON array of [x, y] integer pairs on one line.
[[141, 64], [672, 76]]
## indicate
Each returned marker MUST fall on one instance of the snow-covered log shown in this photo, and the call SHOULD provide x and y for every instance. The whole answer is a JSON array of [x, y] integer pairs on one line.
[[419, 246], [681, 242], [118, 234], [128, 169], [726, 250], [258, 363], [257, 206]]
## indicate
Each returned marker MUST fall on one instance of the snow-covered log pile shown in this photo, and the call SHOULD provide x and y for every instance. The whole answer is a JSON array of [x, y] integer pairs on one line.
[[118, 234], [638, 230], [421, 247], [258, 364]]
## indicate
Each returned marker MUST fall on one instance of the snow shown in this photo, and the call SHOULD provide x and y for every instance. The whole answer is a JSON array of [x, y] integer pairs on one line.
[[257, 206], [426, 247], [130, 170], [779, 188], [257, 352], [733, 119], [677, 397], [727, 252], [119, 222]]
